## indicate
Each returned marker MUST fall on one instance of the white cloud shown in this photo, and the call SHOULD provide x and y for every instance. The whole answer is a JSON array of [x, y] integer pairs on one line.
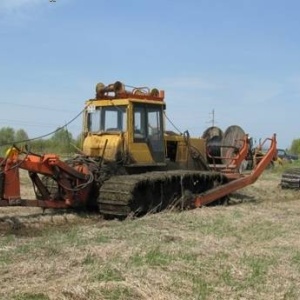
[[191, 83], [12, 6], [16, 13], [232, 90]]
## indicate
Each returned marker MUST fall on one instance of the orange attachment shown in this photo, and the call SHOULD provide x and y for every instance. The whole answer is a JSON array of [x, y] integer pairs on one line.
[[73, 183], [12, 180], [234, 162], [238, 181]]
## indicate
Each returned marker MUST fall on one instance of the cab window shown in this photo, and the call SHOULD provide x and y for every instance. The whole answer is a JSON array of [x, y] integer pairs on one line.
[[147, 122], [108, 118]]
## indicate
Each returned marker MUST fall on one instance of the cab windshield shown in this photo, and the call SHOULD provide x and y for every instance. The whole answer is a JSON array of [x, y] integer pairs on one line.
[[107, 118]]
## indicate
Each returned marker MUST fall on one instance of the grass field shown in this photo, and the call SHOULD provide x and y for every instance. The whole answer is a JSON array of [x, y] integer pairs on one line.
[[249, 249]]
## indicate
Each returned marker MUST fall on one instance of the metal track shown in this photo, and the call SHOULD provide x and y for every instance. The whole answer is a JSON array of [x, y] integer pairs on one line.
[[153, 191], [290, 179]]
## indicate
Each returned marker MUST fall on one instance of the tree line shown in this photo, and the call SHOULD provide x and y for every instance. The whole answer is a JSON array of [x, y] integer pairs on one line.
[[295, 147], [61, 141]]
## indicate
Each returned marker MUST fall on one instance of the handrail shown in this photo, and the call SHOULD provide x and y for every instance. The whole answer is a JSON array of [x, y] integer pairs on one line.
[[243, 180], [235, 161]]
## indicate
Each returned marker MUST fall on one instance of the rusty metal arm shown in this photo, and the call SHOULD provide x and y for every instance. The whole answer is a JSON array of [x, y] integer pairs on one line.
[[241, 182], [44, 165], [74, 181]]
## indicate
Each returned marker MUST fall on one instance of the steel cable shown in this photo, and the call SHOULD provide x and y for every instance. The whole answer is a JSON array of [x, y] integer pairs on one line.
[[50, 133]]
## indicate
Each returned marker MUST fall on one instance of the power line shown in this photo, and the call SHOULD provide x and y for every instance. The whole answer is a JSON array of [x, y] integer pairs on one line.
[[28, 123], [31, 106], [172, 124], [48, 134]]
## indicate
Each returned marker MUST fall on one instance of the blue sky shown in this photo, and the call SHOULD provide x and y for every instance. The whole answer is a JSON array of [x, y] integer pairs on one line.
[[238, 57]]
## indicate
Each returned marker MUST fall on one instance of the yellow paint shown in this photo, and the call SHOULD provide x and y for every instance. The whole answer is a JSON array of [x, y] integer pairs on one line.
[[11, 152], [123, 143], [94, 145]]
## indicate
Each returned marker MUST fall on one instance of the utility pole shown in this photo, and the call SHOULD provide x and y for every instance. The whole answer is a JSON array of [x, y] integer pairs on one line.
[[212, 120]]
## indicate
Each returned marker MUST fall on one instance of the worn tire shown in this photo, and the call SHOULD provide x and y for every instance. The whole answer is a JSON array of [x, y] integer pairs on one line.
[[290, 179]]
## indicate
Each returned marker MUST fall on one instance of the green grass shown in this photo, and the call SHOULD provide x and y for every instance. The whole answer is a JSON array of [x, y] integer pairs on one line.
[[244, 251], [257, 270], [31, 296], [118, 293], [108, 273]]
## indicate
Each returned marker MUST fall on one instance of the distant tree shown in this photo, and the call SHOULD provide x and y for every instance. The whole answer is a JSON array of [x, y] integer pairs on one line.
[[295, 148], [40, 146], [78, 141], [7, 135], [62, 140], [21, 135], [62, 135]]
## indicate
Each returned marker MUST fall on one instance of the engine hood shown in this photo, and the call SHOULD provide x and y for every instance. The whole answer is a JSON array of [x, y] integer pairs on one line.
[[108, 145]]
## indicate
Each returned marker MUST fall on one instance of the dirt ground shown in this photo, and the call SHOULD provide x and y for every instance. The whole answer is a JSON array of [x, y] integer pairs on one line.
[[248, 249], [266, 190]]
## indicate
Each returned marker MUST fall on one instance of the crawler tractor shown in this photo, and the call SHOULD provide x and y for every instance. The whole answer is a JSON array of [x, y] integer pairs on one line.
[[129, 163]]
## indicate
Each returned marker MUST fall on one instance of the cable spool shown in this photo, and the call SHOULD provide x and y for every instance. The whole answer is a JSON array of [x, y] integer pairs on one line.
[[232, 140], [213, 136], [154, 92], [102, 89], [99, 88]]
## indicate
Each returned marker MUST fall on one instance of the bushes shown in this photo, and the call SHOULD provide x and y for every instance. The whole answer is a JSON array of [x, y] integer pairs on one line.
[[60, 142], [295, 148]]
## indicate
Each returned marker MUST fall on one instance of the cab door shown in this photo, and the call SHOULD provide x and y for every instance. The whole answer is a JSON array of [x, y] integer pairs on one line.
[[155, 133], [148, 129]]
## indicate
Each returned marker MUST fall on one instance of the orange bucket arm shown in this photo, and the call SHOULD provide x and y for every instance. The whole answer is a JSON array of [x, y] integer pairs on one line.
[[241, 181]]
